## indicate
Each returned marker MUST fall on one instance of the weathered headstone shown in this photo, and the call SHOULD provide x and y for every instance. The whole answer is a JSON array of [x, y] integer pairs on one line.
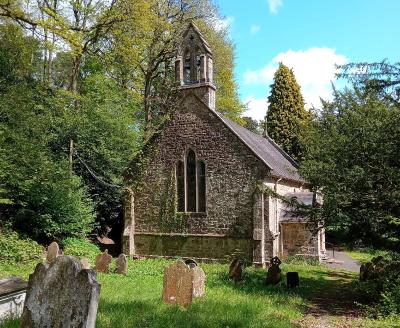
[[292, 279], [122, 264], [236, 270], [103, 261], [199, 281], [178, 284], [61, 294], [85, 263], [53, 251], [274, 272]]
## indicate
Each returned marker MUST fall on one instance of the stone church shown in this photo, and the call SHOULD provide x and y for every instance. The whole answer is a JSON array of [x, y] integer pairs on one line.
[[197, 187]]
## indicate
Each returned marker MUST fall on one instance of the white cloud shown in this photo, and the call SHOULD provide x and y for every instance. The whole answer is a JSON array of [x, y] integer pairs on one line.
[[274, 5], [254, 29], [256, 107], [224, 23], [314, 69]]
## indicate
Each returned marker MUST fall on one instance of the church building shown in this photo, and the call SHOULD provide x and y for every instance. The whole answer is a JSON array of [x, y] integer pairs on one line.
[[197, 188]]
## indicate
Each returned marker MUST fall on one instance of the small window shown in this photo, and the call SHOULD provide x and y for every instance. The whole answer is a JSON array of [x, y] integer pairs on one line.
[[191, 184], [180, 186], [191, 181], [198, 64], [186, 67]]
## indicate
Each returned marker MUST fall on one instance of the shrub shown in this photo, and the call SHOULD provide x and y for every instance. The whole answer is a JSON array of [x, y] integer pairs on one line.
[[383, 285], [15, 249], [56, 207], [80, 248]]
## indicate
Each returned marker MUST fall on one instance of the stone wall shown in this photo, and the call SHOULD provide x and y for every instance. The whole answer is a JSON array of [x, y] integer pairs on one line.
[[198, 247], [297, 239], [232, 173]]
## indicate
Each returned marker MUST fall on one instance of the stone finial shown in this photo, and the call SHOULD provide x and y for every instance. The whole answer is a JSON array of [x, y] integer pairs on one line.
[[122, 264], [53, 251], [103, 261], [61, 294]]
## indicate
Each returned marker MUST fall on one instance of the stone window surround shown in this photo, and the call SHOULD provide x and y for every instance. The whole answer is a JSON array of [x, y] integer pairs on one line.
[[185, 156]]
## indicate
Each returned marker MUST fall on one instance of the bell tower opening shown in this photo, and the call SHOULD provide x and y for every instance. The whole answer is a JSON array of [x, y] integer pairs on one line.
[[194, 67]]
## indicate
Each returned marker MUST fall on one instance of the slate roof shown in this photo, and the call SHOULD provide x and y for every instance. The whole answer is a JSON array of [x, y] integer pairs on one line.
[[280, 163], [286, 213]]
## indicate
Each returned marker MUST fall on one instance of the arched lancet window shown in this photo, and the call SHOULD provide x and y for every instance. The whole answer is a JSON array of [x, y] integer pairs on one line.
[[198, 63], [186, 67], [191, 184]]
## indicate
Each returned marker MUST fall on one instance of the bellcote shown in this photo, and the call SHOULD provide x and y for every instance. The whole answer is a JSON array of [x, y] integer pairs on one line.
[[194, 65]]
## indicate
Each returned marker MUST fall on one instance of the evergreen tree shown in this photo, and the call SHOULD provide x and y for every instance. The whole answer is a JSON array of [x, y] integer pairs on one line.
[[286, 111]]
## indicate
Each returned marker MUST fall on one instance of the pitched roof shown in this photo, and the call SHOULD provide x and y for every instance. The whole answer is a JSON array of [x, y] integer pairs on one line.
[[193, 26], [280, 163]]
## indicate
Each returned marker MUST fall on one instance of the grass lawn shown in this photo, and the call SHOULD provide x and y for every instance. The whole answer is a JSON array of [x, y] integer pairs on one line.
[[365, 255], [135, 300]]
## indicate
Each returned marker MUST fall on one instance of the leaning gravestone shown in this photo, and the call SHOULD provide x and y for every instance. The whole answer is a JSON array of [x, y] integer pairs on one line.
[[53, 251], [103, 261], [236, 269], [274, 272], [199, 280], [61, 294], [183, 281], [122, 264], [178, 284]]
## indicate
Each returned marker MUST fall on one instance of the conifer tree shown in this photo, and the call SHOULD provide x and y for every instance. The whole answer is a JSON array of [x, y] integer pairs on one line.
[[285, 112]]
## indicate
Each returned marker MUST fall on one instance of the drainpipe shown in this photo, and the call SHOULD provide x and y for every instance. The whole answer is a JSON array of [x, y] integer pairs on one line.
[[276, 212]]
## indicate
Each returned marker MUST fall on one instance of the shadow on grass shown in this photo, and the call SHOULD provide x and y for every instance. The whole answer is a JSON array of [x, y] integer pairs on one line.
[[322, 292], [202, 313]]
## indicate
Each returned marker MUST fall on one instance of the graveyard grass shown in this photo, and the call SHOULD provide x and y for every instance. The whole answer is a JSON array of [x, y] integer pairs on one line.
[[134, 300]]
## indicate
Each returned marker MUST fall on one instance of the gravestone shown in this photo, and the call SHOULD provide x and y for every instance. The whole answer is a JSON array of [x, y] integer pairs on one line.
[[61, 294], [178, 284], [12, 295], [236, 270], [85, 263], [103, 261], [292, 279], [199, 281], [53, 251], [122, 264], [191, 263], [274, 272]]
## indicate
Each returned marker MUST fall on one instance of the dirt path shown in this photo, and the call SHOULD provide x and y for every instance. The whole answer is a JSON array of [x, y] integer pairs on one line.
[[334, 305]]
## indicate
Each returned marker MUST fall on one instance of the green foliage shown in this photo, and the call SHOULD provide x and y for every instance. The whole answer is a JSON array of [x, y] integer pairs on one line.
[[14, 249], [286, 112], [80, 248], [253, 125], [352, 157], [382, 288]]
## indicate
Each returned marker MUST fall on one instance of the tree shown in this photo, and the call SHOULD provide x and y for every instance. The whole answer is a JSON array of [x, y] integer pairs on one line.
[[286, 112], [351, 155], [252, 125]]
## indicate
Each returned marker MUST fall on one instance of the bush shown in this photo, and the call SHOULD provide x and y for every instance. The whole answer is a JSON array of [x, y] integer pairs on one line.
[[15, 249], [56, 207], [382, 286], [80, 248]]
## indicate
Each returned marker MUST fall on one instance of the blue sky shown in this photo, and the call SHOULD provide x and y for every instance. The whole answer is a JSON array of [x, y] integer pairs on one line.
[[309, 36]]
